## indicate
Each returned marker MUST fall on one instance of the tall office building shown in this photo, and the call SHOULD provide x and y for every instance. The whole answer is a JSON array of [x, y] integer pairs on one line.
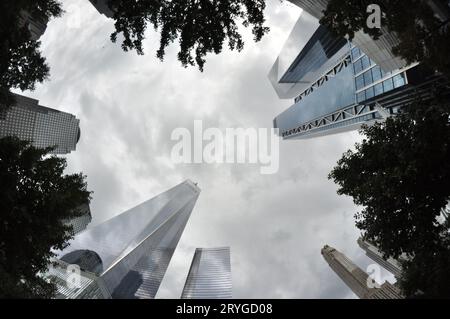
[[127, 256], [356, 279], [81, 222], [373, 253], [43, 126], [102, 7], [35, 24], [380, 50], [210, 275], [336, 87]]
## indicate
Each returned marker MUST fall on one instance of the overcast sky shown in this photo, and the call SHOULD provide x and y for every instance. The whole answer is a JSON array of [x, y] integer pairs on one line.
[[129, 105]]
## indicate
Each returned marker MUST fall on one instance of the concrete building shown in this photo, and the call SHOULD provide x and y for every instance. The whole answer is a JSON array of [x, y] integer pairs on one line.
[[391, 265], [356, 279]]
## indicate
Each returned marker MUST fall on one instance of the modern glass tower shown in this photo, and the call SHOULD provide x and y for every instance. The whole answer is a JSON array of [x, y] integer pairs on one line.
[[128, 255], [356, 279], [210, 275], [41, 125], [373, 253], [337, 87]]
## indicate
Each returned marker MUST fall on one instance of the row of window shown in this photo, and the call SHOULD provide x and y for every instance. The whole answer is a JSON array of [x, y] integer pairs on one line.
[[383, 87], [367, 78]]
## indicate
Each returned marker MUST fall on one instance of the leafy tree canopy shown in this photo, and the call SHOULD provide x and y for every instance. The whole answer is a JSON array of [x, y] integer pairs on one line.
[[202, 26], [400, 175], [35, 199], [21, 62], [422, 36]]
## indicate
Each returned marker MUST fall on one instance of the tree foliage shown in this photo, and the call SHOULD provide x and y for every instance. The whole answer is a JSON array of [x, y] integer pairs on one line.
[[35, 199], [422, 36], [202, 26], [400, 174], [21, 62]]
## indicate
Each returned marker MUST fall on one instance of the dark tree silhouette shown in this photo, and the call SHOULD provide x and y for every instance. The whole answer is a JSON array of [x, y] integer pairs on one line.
[[202, 26], [35, 199], [400, 174], [21, 62], [423, 37]]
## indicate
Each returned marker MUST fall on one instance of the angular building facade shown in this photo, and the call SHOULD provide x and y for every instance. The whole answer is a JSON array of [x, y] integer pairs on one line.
[[128, 255], [357, 279], [102, 7], [391, 265], [43, 126], [35, 24], [210, 275], [380, 51], [337, 87]]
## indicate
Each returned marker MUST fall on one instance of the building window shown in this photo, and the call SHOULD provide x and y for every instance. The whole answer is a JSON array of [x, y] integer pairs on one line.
[[378, 89], [399, 80], [356, 53], [361, 96], [365, 62], [388, 85], [359, 82], [357, 66], [368, 78], [370, 93], [376, 73]]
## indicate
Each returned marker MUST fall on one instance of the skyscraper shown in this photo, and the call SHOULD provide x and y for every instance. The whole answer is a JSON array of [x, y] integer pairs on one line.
[[210, 275], [380, 51], [102, 7], [356, 279], [373, 253], [336, 86], [81, 222], [128, 255], [35, 24], [41, 125]]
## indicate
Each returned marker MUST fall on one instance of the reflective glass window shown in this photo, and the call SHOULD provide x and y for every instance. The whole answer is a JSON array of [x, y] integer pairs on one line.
[[388, 85], [365, 62], [399, 80], [370, 93], [378, 89], [360, 97], [356, 53], [368, 78], [376, 73], [357, 66], [360, 82]]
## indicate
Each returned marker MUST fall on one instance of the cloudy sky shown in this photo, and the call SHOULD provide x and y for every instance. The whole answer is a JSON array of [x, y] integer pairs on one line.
[[129, 105]]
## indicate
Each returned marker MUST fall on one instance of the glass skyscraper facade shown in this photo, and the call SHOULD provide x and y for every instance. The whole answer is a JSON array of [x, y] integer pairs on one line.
[[210, 275], [43, 126], [81, 222], [128, 255], [336, 87]]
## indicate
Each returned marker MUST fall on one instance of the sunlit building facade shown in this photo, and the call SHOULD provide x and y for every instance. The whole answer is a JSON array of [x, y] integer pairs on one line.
[[128, 255], [210, 275]]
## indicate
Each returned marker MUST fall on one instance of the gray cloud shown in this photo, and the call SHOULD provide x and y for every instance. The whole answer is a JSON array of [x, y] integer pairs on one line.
[[129, 105]]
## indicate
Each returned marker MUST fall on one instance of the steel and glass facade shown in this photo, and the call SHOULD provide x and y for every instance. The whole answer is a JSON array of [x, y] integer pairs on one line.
[[43, 126], [346, 89], [134, 248], [81, 222], [210, 275]]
